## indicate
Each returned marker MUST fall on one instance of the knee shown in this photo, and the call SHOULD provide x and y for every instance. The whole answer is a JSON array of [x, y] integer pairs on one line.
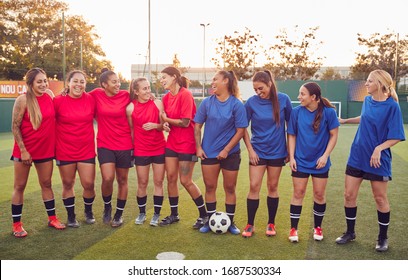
[[122, 181], [68, 184], [186, 182], [299, 194], [229, 189], [349, 197], [46, 184], [319, 197], [142, 183], [172, 178], [107, 180], [381, 201], [158, 183]]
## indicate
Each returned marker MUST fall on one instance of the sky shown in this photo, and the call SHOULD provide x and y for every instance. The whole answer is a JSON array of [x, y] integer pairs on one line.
[[175, 26]]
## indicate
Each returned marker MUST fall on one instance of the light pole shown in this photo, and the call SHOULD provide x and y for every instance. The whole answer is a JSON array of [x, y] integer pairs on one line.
[[138, 64], [204, 25]]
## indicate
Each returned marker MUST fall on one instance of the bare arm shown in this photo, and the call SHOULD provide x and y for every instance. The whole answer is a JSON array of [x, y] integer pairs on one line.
[[176, 122], [321, 162], [253, 156], [197, 136], [17, 117], [291, 147], [129, 111], [234, 141], [355, 120], [375, 160]]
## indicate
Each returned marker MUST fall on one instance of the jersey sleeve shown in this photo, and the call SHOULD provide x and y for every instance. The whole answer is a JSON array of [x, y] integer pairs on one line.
[[292, 127], [333, 121], [248, 110], [186, 110], [241, 120], [201, 115], [288, 108], [395, 124]]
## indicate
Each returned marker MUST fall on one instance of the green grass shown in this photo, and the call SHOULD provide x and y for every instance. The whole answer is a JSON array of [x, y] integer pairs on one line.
[[133, 242]]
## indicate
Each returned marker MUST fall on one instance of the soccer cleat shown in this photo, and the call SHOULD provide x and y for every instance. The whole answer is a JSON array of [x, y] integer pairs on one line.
[[18, 230], [270, 230], [200, 222], [55, 223], [169, 220], [107, 215], [382, 245], [293, 235], [140, 219], [205, 228], [89, 218], [117, 222], [346, 237], [234, 229], [155, 220], [248, 231], [72, 222], [318, 234]]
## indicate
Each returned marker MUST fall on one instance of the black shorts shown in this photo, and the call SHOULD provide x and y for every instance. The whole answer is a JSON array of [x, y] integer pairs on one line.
[[354, 172], [180, 156], [34, 160], [122, 159], [299, 174], [66, 162], [231, 163], [270, 162], [143, 161]]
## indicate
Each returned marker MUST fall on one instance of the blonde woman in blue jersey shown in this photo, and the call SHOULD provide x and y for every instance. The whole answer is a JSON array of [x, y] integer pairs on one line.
[[225, 122], [268, 111], [380, 128], [313, 131]]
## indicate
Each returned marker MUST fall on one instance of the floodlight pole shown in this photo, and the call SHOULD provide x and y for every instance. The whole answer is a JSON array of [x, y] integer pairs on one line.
[[204, 25]]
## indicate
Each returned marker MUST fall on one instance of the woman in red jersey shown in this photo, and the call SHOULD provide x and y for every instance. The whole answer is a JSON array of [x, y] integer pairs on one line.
[[179, 112], [114, 143], [75, 144], [149, 145], [33, 126]]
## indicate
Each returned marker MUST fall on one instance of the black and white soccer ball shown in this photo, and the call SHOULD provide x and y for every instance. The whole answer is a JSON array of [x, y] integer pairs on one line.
[[219, 222]]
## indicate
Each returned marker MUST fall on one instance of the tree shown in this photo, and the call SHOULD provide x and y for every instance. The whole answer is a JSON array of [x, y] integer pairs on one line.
[[331, 74], [381, 54], [177, 64], [294, 59], [31, 36], [237, 53]]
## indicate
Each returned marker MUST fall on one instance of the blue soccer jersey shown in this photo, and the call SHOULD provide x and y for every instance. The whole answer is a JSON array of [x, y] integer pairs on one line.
[[221, 121], [380, 121], [310, 146], [268, 139]]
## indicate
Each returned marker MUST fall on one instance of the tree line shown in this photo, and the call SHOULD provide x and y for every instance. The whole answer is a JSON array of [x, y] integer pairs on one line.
[[31, 36]]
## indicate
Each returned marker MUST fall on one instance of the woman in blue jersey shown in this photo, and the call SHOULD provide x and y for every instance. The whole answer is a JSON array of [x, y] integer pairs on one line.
[[268, 111], [312, 136], [225, 121], [380, 128]]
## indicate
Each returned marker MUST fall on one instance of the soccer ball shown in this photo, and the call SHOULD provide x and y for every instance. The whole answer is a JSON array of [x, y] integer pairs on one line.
[[219, 222]]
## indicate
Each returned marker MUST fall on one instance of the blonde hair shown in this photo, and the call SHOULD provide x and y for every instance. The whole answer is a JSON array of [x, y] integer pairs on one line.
[[384, 82], [33, 107]]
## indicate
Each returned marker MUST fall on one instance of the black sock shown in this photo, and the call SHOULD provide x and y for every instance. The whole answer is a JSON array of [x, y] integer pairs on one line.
[[351, 215], [211, 208], [88, 204], [16, 212], [295, 211], [120, 206], [50, 207], [318, 213], [174, 205], [272, 203], [230, 209], [141, 202], [252, 206], [158, 202], [199, 202], [69, 204], [107, 201], [383, 222]]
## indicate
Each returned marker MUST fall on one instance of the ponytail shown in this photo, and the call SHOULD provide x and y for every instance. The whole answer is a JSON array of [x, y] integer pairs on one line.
[[314, 89], [232, 87]]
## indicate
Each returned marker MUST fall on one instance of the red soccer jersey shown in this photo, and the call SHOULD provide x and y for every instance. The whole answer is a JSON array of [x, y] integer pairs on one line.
[[39, 143], [147, 142], [113, 127], [181, 106], [75, 136]]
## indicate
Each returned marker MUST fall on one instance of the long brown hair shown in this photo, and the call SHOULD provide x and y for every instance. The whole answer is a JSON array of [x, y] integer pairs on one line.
[[267, 78], [33, 107], [180, 80], [134, 85], [232, 82], [314, 89]]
